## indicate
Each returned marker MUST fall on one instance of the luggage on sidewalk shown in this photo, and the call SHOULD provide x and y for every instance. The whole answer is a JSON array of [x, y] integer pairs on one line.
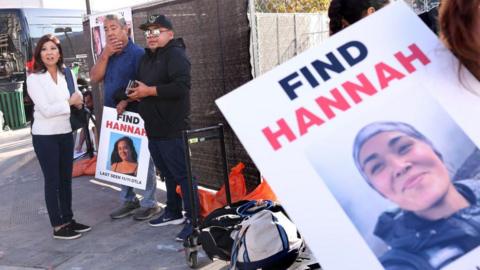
[[266, 239], [191, 243], [217, 230], [252, 233]]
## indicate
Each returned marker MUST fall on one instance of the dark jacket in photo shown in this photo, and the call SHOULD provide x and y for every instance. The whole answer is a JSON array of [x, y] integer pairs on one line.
[[416, 243]]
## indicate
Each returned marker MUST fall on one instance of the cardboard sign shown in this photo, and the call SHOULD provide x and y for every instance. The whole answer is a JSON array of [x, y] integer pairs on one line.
[[98, 36], [364, 138], [123, 154]]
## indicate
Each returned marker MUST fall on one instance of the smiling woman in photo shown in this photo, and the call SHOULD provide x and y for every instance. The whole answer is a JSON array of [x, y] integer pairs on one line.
[[437, 220], [124, 157]]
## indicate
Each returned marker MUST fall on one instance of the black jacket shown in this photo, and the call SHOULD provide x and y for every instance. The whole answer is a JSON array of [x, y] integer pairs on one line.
[[416, 243], [167, 68]]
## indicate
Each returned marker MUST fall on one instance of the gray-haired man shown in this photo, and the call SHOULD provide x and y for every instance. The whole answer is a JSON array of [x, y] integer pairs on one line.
[[117, 65]]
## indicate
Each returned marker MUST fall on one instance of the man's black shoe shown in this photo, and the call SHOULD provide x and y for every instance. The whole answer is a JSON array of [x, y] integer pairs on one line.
[[66, 233]]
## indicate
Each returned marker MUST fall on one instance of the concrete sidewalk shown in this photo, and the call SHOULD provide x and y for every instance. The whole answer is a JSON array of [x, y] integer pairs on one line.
[[26, 235], [26, 240]]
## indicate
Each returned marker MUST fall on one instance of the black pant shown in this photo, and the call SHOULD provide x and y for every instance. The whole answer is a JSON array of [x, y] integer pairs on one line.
[[55, 154], [169, 157]]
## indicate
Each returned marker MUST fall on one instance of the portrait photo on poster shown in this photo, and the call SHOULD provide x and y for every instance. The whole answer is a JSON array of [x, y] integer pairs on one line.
[[97, 28], [407, 176], [124, 153], [97, 41]]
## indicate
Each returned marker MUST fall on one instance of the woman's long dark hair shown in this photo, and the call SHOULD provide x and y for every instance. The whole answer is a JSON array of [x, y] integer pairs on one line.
[[457, 20], [116, 157], [38, 65], [350, 11]]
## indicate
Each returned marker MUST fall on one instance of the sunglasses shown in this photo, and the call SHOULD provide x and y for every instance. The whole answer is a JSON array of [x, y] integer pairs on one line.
[[154, 32]]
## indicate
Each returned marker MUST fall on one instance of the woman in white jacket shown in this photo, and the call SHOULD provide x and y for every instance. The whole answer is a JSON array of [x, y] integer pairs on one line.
[[52, 134]]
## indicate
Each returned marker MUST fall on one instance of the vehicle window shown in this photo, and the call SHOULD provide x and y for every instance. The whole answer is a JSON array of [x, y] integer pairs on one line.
[[12, 53], [67, 26]]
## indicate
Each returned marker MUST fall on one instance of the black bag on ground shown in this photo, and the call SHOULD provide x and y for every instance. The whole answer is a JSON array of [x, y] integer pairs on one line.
[[78, 117], [217, 227]]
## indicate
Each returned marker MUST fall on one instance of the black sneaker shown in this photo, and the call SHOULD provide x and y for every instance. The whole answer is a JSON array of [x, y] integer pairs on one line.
[[166, 219], [125, 210], [78, 227], [146, 213], [66, 233], [185, 232]]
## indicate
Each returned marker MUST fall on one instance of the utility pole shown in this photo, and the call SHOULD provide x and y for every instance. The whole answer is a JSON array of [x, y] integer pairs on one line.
[[87, 3]]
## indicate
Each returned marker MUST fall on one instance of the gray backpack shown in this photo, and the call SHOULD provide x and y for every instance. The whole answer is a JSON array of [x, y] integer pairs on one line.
[[267, 239]]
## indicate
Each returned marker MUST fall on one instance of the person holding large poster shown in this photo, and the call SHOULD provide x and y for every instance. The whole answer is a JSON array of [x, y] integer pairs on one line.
[[115, 67], [164, 93], [343, 13], [460, 28], [438, 220]]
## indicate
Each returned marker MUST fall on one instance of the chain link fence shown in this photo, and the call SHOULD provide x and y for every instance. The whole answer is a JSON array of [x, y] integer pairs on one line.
[[423, 5], [282, 29], [291, 6]]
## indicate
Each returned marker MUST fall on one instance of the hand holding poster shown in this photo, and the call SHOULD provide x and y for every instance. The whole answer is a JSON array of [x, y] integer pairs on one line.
[[370, 143], [123, 155]]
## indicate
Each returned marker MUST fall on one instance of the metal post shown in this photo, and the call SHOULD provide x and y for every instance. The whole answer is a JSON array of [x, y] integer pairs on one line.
[[254, 38], [87, 3], [190, 191], [225, 164], [70, 43]]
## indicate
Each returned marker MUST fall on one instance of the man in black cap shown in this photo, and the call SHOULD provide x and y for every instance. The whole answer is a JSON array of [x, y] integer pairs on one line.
[[164, 94]]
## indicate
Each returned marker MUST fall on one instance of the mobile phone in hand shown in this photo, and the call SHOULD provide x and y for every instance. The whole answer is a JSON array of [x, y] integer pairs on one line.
[[131, 84]]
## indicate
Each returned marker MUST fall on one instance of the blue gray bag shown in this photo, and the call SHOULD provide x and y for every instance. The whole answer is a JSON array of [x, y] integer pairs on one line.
[[267, 239]]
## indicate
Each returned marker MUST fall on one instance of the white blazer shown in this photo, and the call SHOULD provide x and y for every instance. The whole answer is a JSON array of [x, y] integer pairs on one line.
[[52, 110]]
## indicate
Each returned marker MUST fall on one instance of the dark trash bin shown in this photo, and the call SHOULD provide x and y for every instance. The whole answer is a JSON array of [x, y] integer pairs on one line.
[[11, 104]]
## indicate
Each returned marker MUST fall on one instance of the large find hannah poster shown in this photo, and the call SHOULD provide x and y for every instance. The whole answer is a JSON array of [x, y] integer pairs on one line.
[[371, 143]]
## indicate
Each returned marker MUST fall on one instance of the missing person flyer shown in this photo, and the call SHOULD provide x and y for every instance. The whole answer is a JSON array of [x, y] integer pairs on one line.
[[123, 155], [371, 143]]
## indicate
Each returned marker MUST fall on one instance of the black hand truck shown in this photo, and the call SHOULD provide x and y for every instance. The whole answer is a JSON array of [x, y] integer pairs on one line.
[[190, 137]]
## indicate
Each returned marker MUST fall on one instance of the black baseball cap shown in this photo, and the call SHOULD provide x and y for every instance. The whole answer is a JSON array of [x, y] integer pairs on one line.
[[157, 20]]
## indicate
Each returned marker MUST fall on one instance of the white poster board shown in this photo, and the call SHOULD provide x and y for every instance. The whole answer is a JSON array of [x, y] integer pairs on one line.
[[97, 32], [304, 115], [123, 155]]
